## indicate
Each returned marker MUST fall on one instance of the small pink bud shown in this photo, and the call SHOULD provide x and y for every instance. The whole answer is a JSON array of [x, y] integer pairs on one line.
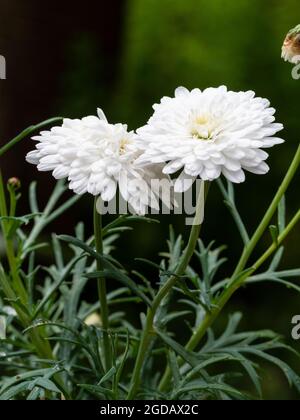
[[14, 183]]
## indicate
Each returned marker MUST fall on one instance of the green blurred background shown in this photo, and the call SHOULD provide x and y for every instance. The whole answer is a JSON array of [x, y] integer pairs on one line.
[[68, 59]]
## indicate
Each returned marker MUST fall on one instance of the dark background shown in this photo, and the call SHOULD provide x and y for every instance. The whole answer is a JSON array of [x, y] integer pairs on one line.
[[66, 58]]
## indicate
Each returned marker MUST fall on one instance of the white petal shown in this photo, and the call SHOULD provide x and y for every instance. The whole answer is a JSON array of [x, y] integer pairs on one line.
[[109, 191], [173, 167], [101, 115], [181, 91], [183, 183], [236, 177], [261, 169]]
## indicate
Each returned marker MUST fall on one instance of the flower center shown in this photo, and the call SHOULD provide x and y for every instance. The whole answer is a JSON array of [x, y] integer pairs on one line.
[[204, 126], [123, 145]]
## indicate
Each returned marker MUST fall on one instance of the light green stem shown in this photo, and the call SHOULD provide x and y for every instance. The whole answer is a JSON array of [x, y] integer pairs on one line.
[[27, 132], [197, 337], [9, 245], [165, 289], [273, 248], [249, 248], [17, 289], [235, 285], [101, 283]]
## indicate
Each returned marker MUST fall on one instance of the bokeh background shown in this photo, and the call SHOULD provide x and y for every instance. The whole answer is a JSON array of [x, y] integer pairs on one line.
[[68, 59]]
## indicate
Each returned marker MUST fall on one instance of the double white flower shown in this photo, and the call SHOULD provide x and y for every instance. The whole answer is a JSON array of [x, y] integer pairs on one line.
[[209, 133], [97, 157], [200, 133]]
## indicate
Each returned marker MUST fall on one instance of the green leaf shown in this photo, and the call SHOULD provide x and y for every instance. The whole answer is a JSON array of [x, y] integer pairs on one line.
[[274, 233], [97, 390], [208, 387], [44, 383], [273, 278], [126, 218], [122, 278], [17, 222], [174, 315], [277, 259], [110, 271], [282, 215], [64, 275], [14, 391], [248, 366], [2, 328], [109, 375], [173, 363], [229, 197], [191, 358], [28, 376], [291, 376], [20, 220], [121, 366], [33, 198]]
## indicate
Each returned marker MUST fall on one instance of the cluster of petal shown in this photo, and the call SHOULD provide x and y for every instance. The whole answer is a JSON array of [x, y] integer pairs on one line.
[[209, 133], [96, 157]]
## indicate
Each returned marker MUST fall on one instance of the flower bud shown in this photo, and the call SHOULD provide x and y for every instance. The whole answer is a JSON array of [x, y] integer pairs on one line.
[[14, 183], [291, 46]]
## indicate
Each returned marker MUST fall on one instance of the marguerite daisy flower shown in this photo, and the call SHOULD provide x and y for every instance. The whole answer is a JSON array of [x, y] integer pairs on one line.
[[209, 133], [96, 157]]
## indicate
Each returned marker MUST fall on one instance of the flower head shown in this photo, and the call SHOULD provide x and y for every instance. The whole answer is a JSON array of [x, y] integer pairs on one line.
[[209, 133], [291, 46], [96, 157]]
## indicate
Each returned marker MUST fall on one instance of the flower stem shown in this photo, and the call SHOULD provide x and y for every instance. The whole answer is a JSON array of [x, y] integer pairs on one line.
[[165, 289], [9, 245], [101, 283], [234, 285], [225, 297], [27, 132], [269, 214], [273, 248], [197, 337], [16, 290]]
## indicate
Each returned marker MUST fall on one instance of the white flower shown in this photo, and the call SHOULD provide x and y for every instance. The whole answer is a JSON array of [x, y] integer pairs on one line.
[[96, 157], [209, 133]]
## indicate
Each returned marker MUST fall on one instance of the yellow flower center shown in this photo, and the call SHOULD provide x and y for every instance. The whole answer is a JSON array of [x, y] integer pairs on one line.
[[203, 127], [123, 145]]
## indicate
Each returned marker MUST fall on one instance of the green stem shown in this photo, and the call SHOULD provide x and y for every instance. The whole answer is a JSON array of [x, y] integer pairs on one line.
[[269, 214], [17, 289], [197, 337], [225, 297], [27, 132], [9, 245], [101, 283], [165, 289], [235, 285], [273, 248]]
